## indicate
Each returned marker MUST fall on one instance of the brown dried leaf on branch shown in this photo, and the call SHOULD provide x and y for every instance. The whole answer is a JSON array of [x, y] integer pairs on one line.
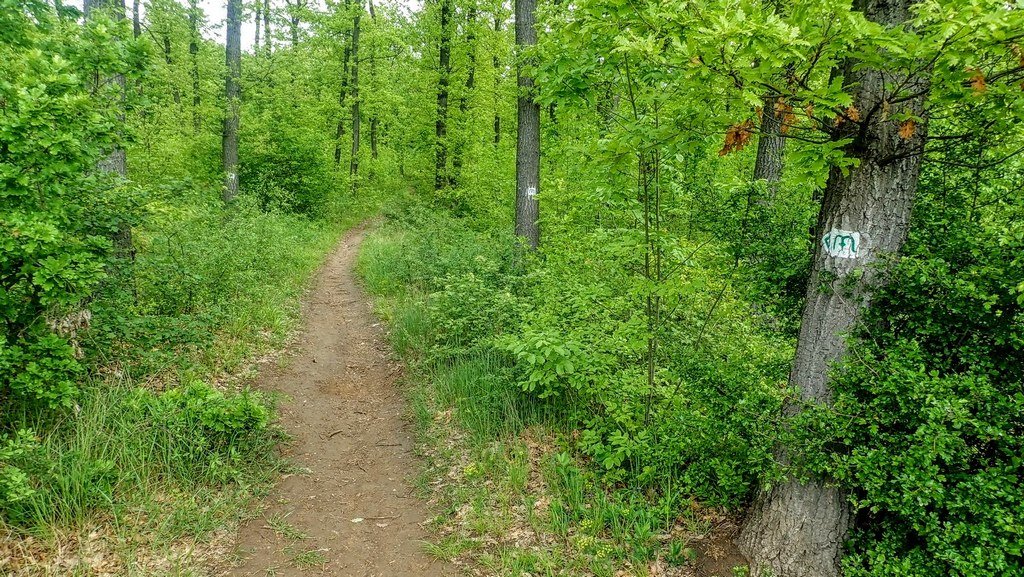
[[907, 129], [737, 137], [977, 80], [784, 112], [851, 114]]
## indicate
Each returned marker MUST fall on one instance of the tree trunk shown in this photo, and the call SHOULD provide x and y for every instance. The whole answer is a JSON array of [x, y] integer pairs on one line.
[[136, 23], [232, 92], [259, 16], [496, 63], [166, 38], [342, 96], [374, 124], [464, 97], [116, 162], [266, 26], [770, 147], [193, 50], [374, 120], [444, 72], [528, 137], [294, 20], [797, 529], [354, 165]]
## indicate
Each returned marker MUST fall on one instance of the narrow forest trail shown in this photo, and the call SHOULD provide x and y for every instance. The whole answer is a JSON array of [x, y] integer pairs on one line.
[[351, 511]]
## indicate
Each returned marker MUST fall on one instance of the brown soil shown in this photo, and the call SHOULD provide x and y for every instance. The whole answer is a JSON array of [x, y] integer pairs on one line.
[[351, 511]]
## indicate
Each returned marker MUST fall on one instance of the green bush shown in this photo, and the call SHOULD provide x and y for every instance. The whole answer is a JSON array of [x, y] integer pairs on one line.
[[928, 425]]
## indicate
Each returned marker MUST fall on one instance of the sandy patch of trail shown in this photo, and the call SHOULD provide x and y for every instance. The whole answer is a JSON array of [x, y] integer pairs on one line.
[[353, 512]]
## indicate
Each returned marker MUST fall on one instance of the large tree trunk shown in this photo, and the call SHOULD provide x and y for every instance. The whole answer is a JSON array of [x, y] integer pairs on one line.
[[232, 91], [797, 529], [441, 180], [770, 146], [193, 50], [354, 165], [528, 138]]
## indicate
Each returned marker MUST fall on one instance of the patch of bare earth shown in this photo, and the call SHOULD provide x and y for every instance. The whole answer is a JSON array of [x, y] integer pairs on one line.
[[348, 509]]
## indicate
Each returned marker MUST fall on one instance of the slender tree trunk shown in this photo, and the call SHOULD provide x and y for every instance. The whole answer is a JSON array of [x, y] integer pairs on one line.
[[354, 165], [374, 120], [259, 17], [441, 177], [193, 50], [266, 26], [294, 20], [166, 38], [528, 137], [342, 96], [797, 529], [496, 62], [136, 23], [232, 91], [470, 44]]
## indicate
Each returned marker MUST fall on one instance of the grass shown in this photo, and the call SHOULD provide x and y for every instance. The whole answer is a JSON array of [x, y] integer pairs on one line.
[[310, 558], [279, 524]]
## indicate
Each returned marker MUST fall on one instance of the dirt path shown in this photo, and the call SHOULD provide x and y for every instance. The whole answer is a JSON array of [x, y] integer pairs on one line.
[[353, 513]]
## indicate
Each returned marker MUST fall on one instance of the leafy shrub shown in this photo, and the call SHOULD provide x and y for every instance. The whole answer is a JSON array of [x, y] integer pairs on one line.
[[57, 216], [205, 433], [15, 484], [928, 425]]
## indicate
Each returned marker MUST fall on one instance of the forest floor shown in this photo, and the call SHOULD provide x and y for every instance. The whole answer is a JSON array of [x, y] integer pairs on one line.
[[347, 507]]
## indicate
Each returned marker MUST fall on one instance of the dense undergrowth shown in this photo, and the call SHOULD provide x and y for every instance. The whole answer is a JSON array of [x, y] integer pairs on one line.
[[533, 365], [555, 457]]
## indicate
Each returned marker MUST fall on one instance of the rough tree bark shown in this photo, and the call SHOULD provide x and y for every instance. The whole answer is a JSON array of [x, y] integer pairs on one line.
[[528, 137], [354, 165], [771, 145], [233, 94], [193, 50], [441, 179], [797, 529]]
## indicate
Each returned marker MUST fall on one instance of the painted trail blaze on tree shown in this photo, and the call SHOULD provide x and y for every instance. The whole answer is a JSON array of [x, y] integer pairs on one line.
[[528, 138], [797, 529], [842, 244]]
